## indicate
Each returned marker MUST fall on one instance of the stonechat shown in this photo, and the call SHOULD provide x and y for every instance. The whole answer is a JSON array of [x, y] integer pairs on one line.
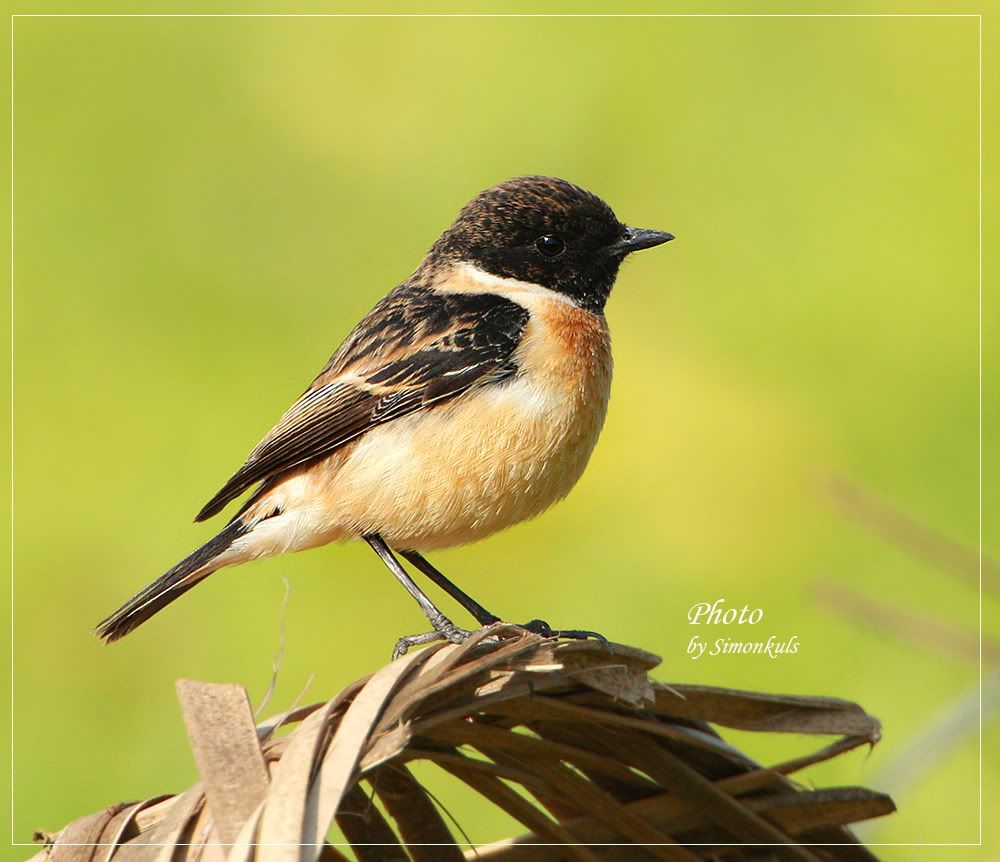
[[469, 399]]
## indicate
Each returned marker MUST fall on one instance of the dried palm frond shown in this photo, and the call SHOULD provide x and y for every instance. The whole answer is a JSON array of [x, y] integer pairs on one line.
[[571, 739]]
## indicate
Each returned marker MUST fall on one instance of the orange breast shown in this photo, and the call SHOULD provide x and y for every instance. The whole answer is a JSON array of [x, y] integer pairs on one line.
[[491, 458]]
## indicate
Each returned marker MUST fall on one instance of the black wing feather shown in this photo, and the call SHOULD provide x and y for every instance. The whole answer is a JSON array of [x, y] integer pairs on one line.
[[415, 349]]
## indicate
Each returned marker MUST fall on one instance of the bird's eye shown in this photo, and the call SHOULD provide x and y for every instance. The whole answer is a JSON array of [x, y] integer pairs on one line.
[[550, 245]]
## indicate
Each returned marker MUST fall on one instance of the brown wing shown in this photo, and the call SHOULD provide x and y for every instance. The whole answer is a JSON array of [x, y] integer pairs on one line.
[[415, 349]]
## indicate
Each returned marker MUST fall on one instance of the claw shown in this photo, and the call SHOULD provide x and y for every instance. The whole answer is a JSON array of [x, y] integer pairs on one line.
[[403, 644], [543, 629], [449, 632]]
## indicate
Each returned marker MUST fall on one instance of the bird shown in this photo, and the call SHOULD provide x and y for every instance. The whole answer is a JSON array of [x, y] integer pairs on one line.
[[468, 400]]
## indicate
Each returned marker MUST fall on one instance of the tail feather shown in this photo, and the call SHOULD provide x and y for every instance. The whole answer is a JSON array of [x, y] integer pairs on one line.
[[171, 585]]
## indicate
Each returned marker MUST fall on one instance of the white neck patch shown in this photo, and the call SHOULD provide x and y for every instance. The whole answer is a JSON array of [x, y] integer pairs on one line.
[[469, 278]]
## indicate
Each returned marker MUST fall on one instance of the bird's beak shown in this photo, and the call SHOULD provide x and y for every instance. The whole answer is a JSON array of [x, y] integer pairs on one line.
[[638, 238]]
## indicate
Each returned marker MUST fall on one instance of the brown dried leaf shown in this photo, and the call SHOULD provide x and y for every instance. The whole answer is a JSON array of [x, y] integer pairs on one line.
[[774, 713], [224, 741]]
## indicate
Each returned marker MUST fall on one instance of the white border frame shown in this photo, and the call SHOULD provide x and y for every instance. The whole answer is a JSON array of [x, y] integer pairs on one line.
[[979, 16]]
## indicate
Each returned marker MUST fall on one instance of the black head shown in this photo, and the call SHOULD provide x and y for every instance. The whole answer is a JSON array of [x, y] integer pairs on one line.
[[545, 231]]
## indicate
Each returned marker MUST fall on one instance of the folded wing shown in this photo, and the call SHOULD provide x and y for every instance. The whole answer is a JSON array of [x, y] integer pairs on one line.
[[416, 349]]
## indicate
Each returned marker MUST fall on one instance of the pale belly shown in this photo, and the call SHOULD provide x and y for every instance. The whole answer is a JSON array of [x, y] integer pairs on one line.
[[458, 473]]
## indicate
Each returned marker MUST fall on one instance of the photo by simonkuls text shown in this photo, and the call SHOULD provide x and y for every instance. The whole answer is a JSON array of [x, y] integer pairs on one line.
[[772, 647]]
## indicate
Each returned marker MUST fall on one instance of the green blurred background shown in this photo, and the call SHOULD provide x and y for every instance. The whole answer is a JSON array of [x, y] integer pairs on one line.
[[205, 206]]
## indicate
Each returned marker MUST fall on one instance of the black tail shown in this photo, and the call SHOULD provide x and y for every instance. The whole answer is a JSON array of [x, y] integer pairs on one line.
[[169, 586]]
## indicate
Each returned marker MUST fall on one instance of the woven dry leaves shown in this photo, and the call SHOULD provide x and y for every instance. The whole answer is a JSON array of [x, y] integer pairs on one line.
[[571, 739]]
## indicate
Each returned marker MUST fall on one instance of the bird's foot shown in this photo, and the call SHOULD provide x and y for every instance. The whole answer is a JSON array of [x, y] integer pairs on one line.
[[543, 629], [446, 631]]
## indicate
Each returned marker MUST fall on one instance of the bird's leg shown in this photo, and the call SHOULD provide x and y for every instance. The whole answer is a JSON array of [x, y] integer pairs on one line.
[[444, 628], [483, 616]]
